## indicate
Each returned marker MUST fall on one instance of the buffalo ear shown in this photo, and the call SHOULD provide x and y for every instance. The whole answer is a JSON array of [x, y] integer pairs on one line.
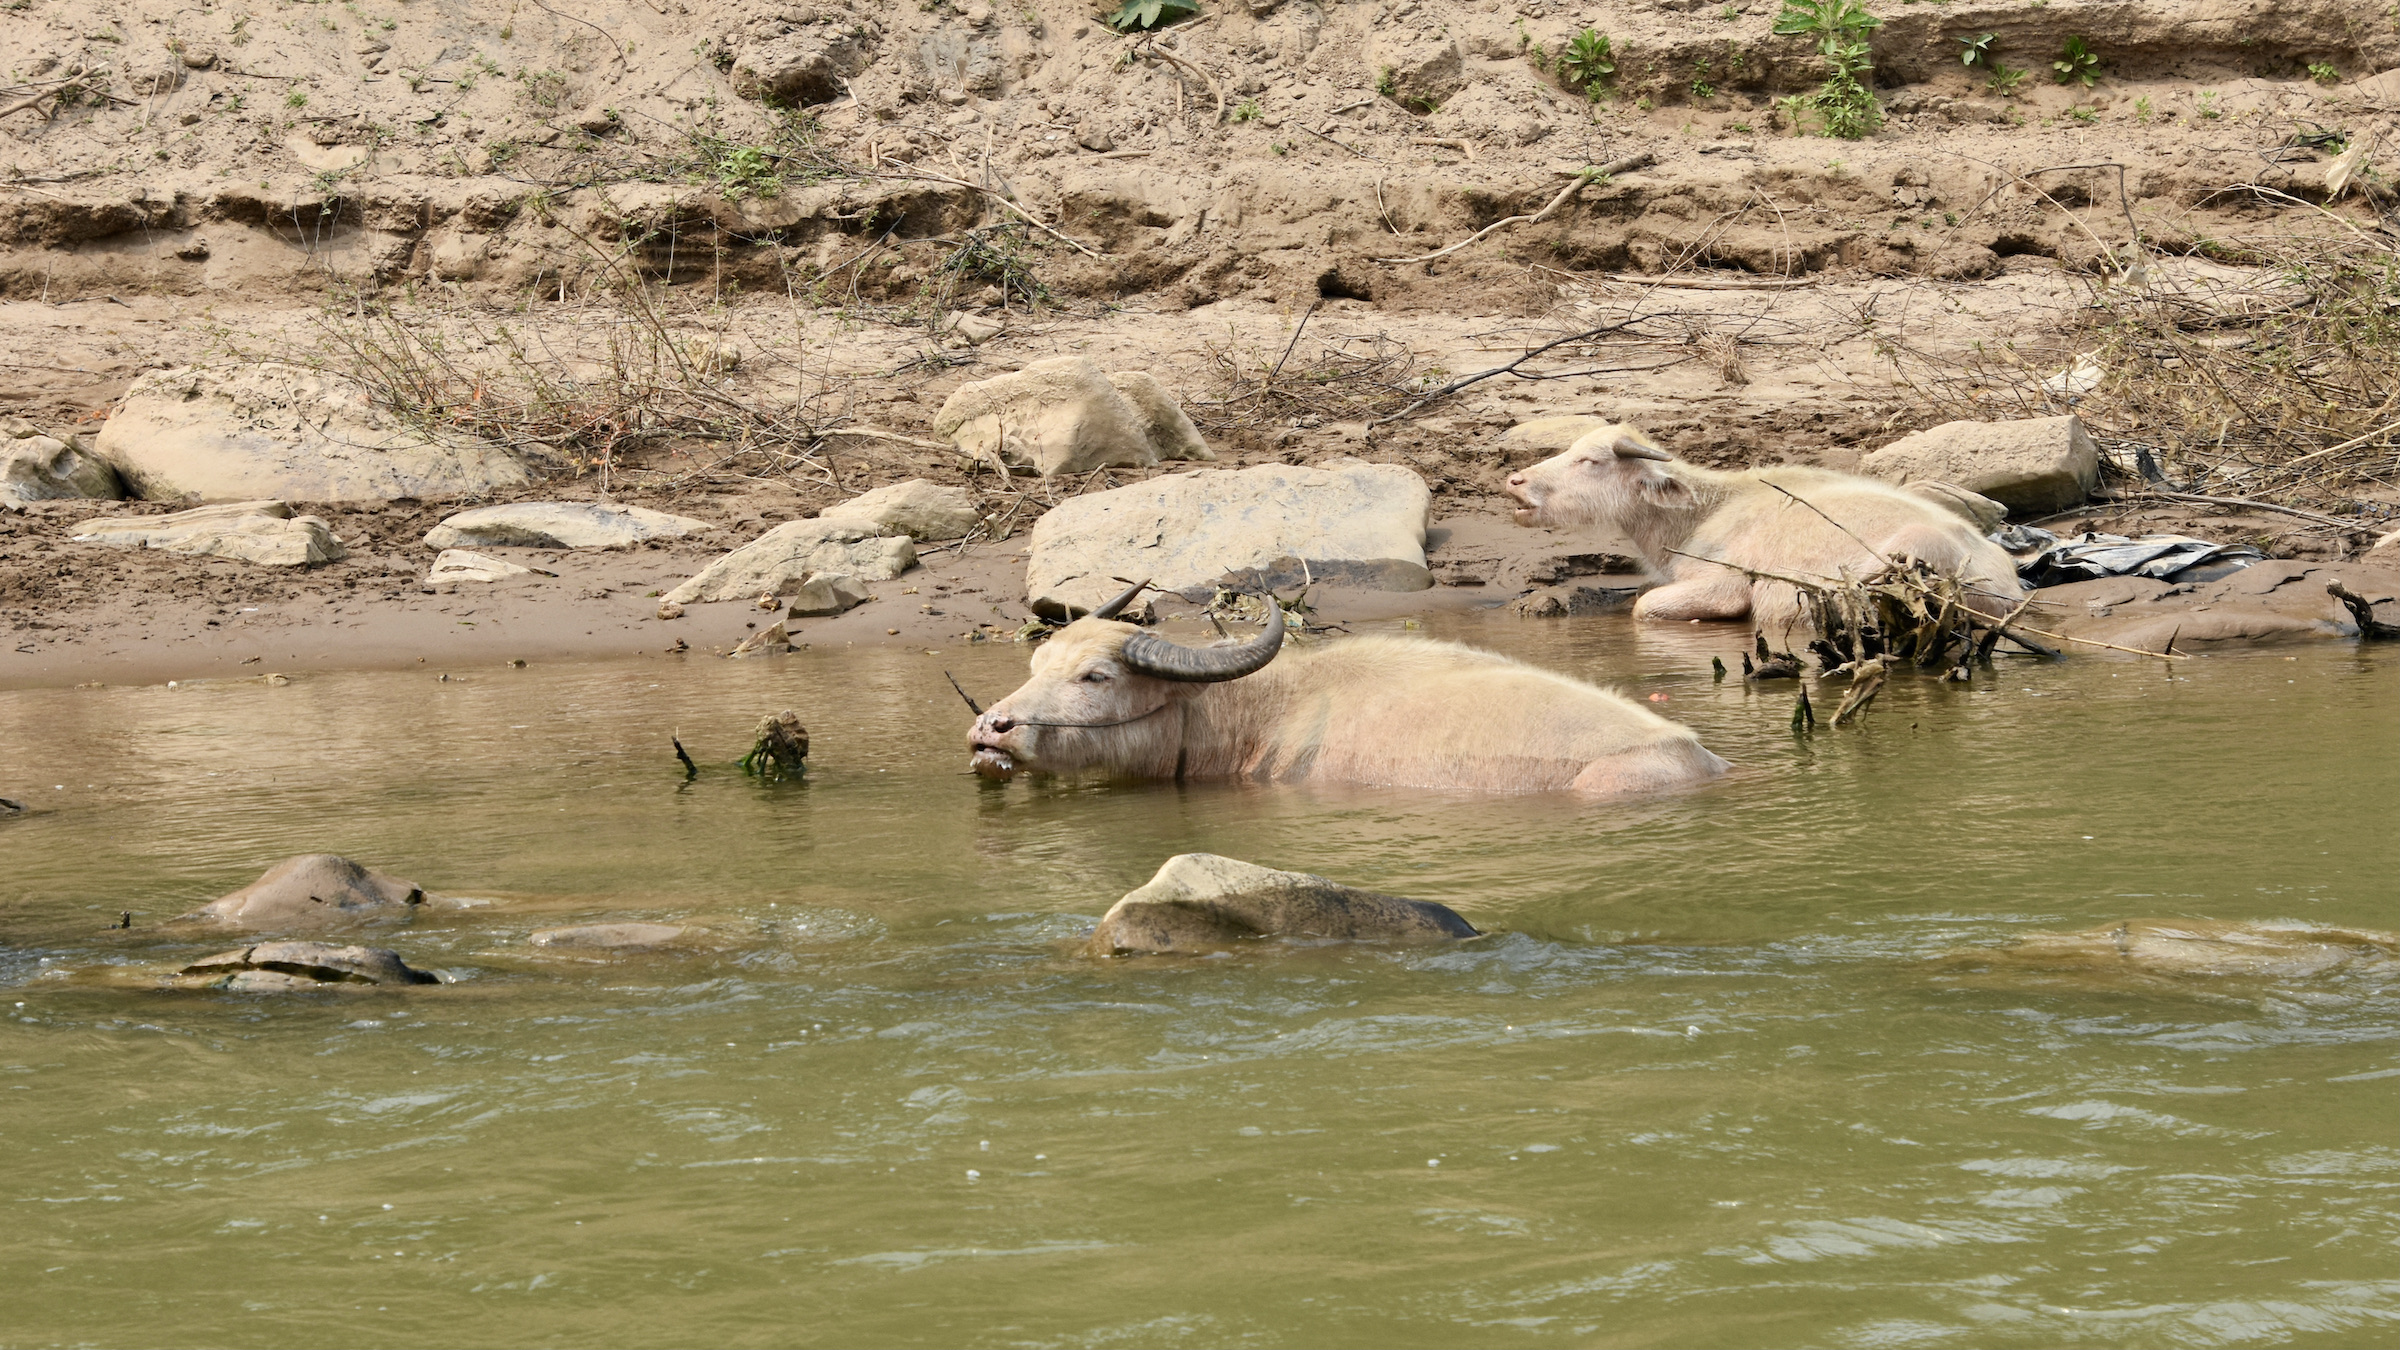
[[1665, 490]]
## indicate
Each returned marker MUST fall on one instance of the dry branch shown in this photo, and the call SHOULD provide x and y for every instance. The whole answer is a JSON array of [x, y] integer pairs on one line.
[[1608, 170]]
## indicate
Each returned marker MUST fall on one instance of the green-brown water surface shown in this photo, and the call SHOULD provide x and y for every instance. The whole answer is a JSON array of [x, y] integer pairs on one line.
[[1701, 1086]]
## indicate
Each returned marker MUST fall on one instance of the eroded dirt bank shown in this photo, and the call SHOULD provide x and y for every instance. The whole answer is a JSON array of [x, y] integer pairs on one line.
[[853, 210]]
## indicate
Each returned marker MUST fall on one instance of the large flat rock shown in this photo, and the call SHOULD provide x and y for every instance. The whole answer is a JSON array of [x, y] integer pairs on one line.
[[254, 532], [268, 430], [2037, 465], [1349, 524], [782, 560], [272, 967], [559, 525]]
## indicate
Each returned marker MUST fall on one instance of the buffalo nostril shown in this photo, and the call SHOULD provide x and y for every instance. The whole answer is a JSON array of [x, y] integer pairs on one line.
[[1516, 480], [1000, 724]]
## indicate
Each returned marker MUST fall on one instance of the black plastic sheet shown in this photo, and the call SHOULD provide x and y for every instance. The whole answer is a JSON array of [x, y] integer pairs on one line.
[[2045, 559]]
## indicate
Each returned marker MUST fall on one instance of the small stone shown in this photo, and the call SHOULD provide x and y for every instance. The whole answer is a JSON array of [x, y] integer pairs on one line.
[[454, 565], [668, 609], [827, 593]]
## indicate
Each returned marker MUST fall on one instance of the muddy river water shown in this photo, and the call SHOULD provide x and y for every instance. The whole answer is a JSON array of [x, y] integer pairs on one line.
[[1702, 1085]]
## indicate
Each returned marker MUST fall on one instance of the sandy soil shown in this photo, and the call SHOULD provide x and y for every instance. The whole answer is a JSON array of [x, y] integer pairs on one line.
[[229, 183]]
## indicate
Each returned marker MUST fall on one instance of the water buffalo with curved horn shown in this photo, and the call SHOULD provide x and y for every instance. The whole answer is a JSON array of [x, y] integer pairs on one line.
[[1706, 531], [1107, 697]]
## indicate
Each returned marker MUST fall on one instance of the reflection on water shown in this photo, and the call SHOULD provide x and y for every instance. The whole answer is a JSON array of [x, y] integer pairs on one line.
[[1700, 1087]]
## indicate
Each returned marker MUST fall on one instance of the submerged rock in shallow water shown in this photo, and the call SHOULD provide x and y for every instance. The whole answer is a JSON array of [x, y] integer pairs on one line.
[[612, 937], [313, 890], [276, 966], [1202, 900], [2206, 947]]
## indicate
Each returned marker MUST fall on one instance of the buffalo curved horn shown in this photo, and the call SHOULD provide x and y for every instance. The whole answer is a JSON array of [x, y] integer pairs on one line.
[[1117, 606], [1150, 654], [1634, 445]]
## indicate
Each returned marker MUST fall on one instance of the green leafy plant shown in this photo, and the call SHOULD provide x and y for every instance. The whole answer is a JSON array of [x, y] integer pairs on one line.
[[1280, 148], [1976, 51], [1387, 82], [1845, 107], [1247, 110], [298, 98], [2208, 105], [2078, 64], [2004, 79], [2081, 114], [1589, 59], [1644, 103], [1703, 89], [1538, 56], [2141, 110], [1142, 15], [746, 171], [1742, 127], [2323, 72]]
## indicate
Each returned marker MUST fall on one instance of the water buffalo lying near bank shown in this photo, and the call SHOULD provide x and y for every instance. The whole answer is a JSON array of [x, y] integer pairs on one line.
[[1107, 697], [1690, 523]]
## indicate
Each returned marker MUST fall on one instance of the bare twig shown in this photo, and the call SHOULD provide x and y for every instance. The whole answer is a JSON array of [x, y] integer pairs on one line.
[[1022, 213], [1614, 167]]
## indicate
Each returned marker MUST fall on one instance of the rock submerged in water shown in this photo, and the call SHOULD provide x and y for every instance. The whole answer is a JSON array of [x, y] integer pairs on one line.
[[313, 890], [1200, 901], [610, 937], [2196, 947], [277, 967]]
